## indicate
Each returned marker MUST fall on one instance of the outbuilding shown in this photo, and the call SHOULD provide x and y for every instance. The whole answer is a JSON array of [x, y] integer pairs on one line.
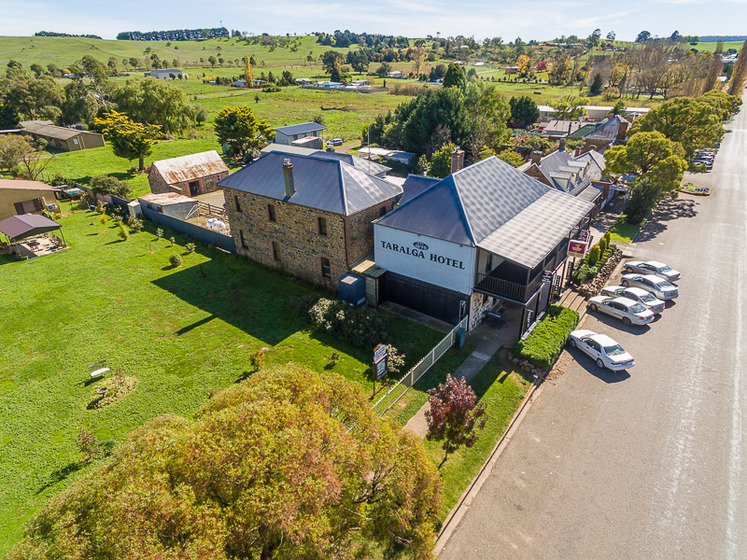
[[487, 234], [62, 137], [288, 134], [190, 175], [171, 204], [26, 197]]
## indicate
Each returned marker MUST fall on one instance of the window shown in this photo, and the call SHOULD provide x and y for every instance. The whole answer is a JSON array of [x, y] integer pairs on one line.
[[238, 204], [244, 242], [276, 250], [271, 212], [326, 268], [322, 225], [382, 211]]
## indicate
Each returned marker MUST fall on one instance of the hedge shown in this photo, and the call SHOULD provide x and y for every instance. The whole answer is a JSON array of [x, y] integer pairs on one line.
[[588, 270], [544, 344]]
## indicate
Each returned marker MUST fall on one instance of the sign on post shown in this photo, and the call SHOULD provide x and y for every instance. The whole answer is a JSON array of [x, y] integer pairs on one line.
[[380, 369], [379, 360], [379, 353], [577, 248]]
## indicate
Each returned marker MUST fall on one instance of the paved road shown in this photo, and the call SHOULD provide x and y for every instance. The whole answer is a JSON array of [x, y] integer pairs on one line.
[[650, 465]]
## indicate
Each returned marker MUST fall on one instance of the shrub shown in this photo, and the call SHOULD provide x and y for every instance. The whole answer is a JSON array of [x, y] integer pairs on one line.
[[544, 344], [584, 272], [176, 260], [172, 240], [190, 247], [159, 233], [257, 359], [394, 360], [602, 245], [593, 255], [124, 235], [106, 184], [135, 224], [362, 327], [103, 219]]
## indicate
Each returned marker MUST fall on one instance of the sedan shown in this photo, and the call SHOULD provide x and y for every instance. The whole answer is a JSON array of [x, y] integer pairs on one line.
[[654, 284], [636, 294], [628, 311], [601, 348], [653, 267]]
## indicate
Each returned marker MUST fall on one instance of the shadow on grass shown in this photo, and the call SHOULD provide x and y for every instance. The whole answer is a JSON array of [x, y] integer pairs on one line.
[[185, 330], [7, 259], [59, 475]]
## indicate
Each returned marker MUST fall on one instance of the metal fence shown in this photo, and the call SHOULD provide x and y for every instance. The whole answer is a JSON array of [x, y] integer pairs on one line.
[[205, 235], [395, 393]]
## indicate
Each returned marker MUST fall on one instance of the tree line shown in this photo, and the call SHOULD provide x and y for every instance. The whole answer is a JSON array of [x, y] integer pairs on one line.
[[175, 35]]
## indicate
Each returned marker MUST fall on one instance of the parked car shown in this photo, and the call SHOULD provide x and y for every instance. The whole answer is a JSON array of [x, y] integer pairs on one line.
[[661, 288], [628, 311], [653, 267], [604, 350], [336, 141], [636, 294]]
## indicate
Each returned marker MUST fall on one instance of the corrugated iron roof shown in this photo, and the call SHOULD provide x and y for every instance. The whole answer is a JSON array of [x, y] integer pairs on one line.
[[43, 128], [190, 167], [302, 128], [320, 183], [164, 199]]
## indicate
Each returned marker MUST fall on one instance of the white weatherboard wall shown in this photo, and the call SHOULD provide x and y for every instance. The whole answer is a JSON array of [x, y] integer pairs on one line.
[[435, 261]]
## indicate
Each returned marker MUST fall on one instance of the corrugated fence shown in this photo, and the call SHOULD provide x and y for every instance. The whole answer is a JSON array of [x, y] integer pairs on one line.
[[225, 242]]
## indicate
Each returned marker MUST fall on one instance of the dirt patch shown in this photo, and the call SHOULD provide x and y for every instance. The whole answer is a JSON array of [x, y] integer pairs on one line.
[[560, 366], [112, 390]]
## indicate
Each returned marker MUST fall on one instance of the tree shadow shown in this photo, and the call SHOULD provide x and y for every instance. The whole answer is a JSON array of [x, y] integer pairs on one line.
[[59, 475], [666, 211]]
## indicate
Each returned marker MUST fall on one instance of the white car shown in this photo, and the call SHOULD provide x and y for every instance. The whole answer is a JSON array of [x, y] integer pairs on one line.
[[628, 311], [661, 288], [601, 348], [653, 267], [636, 294]]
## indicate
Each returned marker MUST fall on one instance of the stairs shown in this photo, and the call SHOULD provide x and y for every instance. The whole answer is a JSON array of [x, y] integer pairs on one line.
[[573, 300]]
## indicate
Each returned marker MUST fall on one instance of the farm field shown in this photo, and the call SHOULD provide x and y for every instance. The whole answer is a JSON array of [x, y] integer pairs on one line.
[[183, 333]]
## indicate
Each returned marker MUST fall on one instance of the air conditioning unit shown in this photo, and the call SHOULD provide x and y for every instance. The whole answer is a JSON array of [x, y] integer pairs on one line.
[[51, 206]]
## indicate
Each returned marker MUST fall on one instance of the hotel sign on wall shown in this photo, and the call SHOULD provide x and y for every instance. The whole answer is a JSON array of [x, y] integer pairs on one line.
[[577, 248]]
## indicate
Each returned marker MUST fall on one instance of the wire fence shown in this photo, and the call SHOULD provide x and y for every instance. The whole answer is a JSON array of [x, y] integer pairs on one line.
[[397, 391]]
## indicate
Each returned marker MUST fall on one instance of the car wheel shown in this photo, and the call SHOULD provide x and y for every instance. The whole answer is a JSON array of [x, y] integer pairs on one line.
[[628, 270], [625, 283], [571, 343], [600, 363], [593, 306], [626, 321]]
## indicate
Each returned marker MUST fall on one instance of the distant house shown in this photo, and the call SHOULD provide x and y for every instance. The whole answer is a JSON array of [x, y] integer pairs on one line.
[[308, 215], [61, 137], [25, 197], [167, 74], [511, 70], [288, 134], [395, 74], [368, 166], [240, 83], [190, 175], [559, 129]]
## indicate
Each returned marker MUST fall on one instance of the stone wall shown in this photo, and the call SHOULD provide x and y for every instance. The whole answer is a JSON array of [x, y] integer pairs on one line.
[[360, 231], [159, 185]]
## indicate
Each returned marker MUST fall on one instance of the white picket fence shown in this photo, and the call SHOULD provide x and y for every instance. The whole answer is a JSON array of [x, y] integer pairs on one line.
[[395, 393]]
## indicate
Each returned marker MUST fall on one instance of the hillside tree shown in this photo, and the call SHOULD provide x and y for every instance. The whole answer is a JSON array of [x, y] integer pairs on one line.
[[155, 102], [129, 139], [240, 129], [524, 111]]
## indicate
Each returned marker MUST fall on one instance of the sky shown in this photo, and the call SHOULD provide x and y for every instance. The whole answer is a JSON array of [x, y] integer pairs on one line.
[[528, 19]]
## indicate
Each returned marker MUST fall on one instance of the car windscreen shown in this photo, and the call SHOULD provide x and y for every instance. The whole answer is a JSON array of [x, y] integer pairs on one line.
[[637, 308], [665, 269], [615, 350], [647, 297], [664, 285]]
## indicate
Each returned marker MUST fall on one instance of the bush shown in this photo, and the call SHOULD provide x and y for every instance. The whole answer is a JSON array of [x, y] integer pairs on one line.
[[190, 247], [106, 184], [176, 260], [136, 224], [124, 235], [584, 272], [544, 344], [593, 255], [362, 327]]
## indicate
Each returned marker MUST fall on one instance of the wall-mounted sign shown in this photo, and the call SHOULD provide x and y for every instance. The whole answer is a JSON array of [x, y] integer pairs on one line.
[[577, 248], [583, 235], [547, 277]]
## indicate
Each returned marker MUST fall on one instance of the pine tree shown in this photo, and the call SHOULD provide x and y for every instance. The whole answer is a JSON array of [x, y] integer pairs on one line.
[[740, 72], [714, 71]]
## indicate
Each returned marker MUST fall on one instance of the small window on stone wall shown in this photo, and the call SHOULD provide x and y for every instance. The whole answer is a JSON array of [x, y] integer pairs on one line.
[[382, 211], [244, 242], [322, 225], [271, 213], [276, 250], [238, 204], [326, 268]]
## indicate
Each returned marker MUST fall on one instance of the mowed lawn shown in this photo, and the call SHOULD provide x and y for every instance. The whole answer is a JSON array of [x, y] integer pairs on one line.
[[182, 332]]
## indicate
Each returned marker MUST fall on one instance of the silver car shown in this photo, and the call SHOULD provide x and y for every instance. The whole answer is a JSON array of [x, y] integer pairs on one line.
[[604, 350], [628, 311], [636, 294], [653, 267], [654, 284]]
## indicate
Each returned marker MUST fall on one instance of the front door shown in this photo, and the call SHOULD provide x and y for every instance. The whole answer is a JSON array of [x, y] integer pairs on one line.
[[194, 188]]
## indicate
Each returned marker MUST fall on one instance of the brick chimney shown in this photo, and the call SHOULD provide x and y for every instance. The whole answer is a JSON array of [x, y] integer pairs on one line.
[[622, 131], [290, 187], [561, 145], [535, 157], [457, 160]]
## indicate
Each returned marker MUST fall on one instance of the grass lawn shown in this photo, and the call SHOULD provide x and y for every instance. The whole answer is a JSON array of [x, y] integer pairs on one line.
[[623, 232], [502, 391], [183, 333]]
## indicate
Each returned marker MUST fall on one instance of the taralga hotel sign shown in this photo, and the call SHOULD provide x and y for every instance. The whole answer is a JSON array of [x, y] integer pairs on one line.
[[577, 248], [419, 250]]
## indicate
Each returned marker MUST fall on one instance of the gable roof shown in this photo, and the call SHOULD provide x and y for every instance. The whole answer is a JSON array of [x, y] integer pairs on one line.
[[596, 165], [494, 206], [607, 130], [189, 167], [321, 183], [25, 185], [561, 166], [46, 128], [302, 128], [367, 165]]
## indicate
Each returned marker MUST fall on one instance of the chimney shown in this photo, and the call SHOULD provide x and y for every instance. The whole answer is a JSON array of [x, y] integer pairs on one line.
[[290, 187], [561, 145], [535, 157], [622, 131], [457, 160]]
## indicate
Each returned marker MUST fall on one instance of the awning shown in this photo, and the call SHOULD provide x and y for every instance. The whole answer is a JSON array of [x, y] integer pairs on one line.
[[26, 225]]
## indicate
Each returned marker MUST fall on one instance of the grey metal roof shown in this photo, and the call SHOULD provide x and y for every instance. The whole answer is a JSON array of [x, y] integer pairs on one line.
[[302, 128], [330, 185], [563, 165], [369, 166], [596, 165], [26, 225], [607, 130], [591, 193], [492, 205], [415, 184]]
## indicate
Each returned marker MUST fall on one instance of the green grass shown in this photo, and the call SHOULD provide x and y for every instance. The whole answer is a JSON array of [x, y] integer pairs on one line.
[[623, 232], [711, 47], [184, 333], [502, 391]]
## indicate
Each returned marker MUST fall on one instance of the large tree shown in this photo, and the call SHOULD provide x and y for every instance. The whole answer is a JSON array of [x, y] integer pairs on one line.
[[488, 113], [739, 74], [155, 102], [288, 465], [569, 107], [690, 122], [455, 77], [524, 111], [238, 127], [651, 155], [129, 139]]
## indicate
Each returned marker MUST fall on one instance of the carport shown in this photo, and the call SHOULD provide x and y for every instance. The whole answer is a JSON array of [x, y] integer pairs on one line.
[[34, 229]]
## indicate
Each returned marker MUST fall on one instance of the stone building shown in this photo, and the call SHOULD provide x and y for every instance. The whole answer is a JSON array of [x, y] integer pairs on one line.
[[190, 175], [306, 215]]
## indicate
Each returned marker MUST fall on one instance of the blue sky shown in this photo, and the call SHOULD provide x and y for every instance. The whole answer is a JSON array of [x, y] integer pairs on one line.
[[528, 19]]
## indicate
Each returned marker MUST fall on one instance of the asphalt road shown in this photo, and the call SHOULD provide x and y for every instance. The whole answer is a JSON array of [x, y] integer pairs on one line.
[[650, 464]]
